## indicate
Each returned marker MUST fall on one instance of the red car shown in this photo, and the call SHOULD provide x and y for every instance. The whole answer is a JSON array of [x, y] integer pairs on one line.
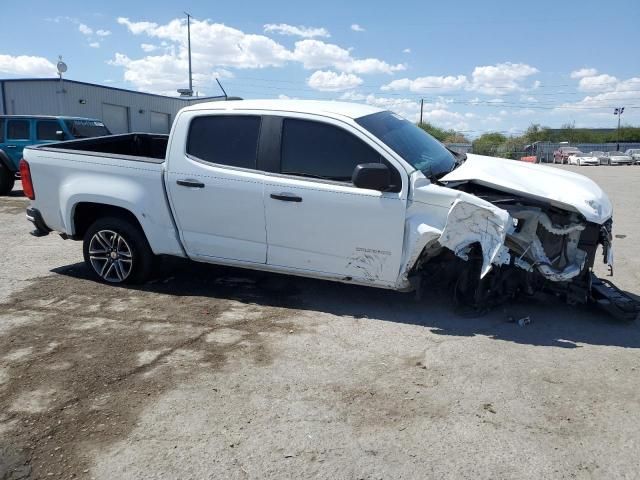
[[562, 154]]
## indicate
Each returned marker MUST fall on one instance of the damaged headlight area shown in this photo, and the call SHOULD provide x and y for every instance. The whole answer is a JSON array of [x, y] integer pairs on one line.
[[516, 246]]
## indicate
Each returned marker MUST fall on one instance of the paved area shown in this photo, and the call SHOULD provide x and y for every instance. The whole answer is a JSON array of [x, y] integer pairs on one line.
[[211, 372]]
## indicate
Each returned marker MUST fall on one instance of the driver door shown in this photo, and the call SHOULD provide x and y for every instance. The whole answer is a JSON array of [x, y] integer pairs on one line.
[[327, 226]]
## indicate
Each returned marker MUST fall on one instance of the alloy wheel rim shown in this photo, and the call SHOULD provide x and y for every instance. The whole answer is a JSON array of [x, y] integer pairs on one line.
[[110, 256]]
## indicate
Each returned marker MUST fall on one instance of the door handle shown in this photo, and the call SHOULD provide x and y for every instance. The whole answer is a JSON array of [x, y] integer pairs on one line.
[[190, 183], [11, 146], [286, 197]]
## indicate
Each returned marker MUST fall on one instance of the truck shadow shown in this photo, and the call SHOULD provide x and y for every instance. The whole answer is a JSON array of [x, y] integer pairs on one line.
[[552, 323]]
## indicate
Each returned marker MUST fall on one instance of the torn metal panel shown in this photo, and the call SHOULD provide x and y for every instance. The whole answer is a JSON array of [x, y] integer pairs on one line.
[[418, 237], [561, 188], [469, 223], [569, 260]]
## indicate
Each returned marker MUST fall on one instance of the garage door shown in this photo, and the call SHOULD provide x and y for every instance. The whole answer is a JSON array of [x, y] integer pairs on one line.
[[160, 122], [115, 117]]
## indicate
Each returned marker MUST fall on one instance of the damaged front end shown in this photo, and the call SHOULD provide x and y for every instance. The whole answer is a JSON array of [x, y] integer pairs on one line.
[[490, 252]]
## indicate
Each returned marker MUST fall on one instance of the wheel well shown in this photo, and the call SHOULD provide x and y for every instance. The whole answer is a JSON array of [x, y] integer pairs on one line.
[[86, 213], [4, 161]]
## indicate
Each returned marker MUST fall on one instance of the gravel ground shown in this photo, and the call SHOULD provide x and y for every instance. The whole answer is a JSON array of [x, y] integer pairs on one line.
[[212, 372]]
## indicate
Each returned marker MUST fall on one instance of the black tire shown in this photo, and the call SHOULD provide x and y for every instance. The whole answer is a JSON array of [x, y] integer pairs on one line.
[[7, 180], [109, 240]]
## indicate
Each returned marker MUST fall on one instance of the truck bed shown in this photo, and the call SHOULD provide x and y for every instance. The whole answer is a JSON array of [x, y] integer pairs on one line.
[[121, 171], [143, 147]]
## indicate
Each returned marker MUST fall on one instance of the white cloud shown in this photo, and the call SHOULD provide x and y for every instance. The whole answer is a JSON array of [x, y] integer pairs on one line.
[[216, 46], [94, 44], [427, 84], [299, 31], [103, 33], [613, 94], [501, 78], [436, 112], [26, 65], [357, 28], [317, 54], [599, 83], [148, 47], [137, 27], [584, 72], [85, 29], [165, 76], [496, 79], [406, 50], [328, 81]]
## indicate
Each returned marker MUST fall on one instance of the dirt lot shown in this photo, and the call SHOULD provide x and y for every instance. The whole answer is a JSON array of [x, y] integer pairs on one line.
[[211, 372]]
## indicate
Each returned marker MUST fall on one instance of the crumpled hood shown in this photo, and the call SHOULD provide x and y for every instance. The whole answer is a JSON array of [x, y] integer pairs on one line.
[[559, 187]]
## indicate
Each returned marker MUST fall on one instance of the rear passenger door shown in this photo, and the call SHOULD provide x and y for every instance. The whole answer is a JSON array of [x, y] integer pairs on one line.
[[46, 131], [215, 189], [318, 221], [18, 137]]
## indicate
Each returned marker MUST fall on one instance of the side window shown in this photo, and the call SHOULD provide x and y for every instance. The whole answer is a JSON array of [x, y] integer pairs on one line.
[[46, 130], [1, 130], [18, 130], [225, 139], [320, 150]]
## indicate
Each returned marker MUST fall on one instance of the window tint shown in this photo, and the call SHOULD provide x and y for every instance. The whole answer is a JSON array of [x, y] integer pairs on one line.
[[18, 129], [46, 130], [317, 149], [225, 139], [320, 150]]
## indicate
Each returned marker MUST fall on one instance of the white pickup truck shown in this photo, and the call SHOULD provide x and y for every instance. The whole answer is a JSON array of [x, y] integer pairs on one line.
[[330, 190]]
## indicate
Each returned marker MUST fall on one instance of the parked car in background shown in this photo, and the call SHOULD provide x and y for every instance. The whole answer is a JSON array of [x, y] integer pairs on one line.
[[617, 158], [599, 155], [562, 154], [19, 131], [581, 159], [634, 153]]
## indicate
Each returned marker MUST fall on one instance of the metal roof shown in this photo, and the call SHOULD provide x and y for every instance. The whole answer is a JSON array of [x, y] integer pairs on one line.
[[51, 117], [185, 99]]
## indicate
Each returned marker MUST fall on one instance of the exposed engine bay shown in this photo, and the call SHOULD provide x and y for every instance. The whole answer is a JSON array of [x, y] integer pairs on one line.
[[520, 247]]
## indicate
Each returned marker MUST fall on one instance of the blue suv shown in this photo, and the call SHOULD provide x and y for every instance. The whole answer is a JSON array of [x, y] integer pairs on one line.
[[19, 131]]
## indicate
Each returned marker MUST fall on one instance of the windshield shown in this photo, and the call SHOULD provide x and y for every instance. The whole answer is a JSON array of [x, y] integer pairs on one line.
[[412, 143], [86, 128]]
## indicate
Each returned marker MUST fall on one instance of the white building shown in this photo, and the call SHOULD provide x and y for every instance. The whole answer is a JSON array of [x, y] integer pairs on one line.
[[121, 110]]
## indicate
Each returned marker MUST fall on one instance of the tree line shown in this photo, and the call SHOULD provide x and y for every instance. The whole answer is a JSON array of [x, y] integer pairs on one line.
[[496, 143]]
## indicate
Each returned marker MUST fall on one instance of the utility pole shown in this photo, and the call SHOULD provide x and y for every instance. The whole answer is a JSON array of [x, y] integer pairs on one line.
[[189, 49], [421, 109], [618, 111]]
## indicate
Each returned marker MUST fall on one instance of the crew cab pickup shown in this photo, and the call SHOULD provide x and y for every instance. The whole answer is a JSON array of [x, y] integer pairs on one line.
[[330, 190]]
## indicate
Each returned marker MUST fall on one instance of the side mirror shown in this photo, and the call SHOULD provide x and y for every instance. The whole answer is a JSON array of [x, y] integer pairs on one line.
[[374, 176], [60, 135]]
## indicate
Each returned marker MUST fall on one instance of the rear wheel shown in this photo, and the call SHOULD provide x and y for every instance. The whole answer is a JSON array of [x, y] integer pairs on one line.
[[116, 251], [7, 180]]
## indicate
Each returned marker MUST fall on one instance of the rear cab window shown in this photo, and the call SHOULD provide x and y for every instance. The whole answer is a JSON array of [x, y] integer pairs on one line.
[[18, 129], [319, 150], [230, 140]]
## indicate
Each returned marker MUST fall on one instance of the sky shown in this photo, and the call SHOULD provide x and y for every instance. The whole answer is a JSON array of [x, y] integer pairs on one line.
[[477, 66]]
